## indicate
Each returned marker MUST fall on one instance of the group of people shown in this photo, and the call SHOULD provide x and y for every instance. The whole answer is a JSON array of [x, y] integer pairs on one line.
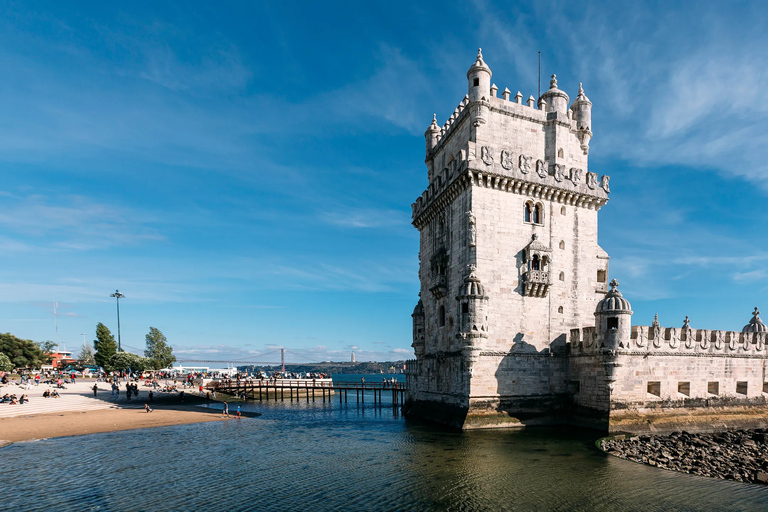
[[50, 394], [13, 400]]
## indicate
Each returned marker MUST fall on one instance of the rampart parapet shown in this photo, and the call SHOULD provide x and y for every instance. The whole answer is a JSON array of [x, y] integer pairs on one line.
[[676, 341]]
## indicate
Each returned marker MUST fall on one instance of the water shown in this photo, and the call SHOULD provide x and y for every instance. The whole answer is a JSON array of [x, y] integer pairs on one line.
[[349, 457]]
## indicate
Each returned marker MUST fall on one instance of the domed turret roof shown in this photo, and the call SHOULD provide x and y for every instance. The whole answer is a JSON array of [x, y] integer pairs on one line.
[[554, 91], [472, 285], [479, 64], [613, 301], [755, 324], [581, 98]]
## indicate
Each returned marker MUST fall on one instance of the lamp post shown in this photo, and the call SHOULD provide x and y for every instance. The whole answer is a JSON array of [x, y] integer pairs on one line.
[[117, 295]]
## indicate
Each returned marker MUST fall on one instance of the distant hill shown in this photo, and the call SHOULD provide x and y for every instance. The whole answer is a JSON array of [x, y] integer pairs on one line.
[[332, 367]]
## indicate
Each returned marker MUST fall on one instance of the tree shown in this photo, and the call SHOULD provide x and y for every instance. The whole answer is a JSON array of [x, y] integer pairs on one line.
[[47, 346], [86, 354], [22, 353], [104, 344], [158, 349], [5, 363], [124, 361]]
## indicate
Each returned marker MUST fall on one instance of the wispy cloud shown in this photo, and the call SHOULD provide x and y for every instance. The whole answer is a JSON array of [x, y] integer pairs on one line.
[[72, 222]]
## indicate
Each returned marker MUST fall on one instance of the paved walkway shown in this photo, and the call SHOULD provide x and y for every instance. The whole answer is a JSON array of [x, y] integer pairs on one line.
[[76, 397]]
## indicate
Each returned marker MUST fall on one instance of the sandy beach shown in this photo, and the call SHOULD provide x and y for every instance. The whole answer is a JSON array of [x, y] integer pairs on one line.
[[78, 412]]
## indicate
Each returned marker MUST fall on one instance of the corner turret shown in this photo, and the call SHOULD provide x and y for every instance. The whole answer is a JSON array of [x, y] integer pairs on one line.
[[582, 113], [432, 134], [613, 320], [479, 78], [555, 99]]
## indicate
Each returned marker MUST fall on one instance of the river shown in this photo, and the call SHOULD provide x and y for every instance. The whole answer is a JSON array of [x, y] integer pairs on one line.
[[352, 457]]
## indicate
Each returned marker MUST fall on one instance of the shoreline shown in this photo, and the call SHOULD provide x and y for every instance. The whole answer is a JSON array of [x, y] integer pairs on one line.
[[77, 413], [37, 427]]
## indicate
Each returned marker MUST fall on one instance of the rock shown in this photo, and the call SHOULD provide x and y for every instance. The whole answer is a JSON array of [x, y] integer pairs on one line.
[[761, 477]]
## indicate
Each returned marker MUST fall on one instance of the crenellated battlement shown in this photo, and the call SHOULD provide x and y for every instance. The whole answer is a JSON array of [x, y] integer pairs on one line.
[[676, 341]]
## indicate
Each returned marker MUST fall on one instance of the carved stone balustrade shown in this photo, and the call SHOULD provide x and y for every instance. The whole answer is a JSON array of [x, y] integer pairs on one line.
[[536, 283]]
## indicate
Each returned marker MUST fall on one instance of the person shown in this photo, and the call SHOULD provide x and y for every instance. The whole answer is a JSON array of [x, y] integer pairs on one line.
[[148, 408], [47, 393], [54, 394], [181, 396], [151, 396], [225, 411], [238, 411], [24, 399], [95, 389]]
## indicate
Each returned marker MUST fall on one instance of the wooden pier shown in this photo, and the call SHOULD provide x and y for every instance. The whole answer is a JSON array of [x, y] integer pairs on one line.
[[308, 390]]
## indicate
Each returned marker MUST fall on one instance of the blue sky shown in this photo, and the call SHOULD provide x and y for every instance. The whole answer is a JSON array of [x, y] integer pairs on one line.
[[243, 171]]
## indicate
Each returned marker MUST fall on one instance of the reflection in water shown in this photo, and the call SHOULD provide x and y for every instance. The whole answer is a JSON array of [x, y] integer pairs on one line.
[[352, 457]]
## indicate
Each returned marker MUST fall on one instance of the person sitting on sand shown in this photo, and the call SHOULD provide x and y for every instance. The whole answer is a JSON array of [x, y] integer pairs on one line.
[[24, 399], [47, 393], [148, 408], [13, 400], [54, 394]]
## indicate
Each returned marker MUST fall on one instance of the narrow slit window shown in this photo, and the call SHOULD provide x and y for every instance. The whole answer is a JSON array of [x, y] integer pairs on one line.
[[441, 316], [528, 212]]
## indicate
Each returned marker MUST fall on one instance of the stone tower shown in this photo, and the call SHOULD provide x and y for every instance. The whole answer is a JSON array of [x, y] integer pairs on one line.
[[509, 259]]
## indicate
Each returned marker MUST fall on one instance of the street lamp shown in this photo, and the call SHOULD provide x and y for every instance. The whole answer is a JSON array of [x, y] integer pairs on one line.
[[117, 295]]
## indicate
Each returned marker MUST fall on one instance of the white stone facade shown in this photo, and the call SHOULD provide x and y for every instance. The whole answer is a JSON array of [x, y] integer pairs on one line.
[[511, 271]]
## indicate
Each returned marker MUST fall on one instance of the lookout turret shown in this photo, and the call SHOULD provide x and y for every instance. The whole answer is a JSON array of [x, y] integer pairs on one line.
[[479, 78], [582, 112], [556, 100]]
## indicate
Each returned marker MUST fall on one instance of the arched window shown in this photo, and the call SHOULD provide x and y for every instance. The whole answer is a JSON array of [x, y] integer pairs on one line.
[[535, 262], [562, 210], [441, 316], [562, 244], [537, 214], [560, 153], [560, 309], [562, 276], [527, 212]]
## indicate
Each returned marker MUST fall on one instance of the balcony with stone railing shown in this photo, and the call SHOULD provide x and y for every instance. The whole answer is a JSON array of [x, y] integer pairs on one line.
[[536, 283]]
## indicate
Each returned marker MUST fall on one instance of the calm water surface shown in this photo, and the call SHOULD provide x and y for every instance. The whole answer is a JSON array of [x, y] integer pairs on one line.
[[316, 456]]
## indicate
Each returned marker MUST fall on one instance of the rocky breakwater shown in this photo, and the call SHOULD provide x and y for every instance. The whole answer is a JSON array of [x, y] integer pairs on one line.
[[740, 455]]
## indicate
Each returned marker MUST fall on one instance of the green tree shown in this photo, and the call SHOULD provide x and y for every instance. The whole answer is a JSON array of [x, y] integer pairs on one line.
[[86, 354], [5, 363], [158, 350], [124, 361], [104, 344], [22, 353]]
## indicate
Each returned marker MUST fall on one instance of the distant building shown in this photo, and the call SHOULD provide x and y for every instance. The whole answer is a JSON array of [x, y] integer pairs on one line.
[[62, 359], [515, 324], [353, 357]]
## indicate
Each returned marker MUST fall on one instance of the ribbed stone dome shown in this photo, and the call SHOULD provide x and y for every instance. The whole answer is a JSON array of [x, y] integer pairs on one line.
[[755, 325], [472, 286], [479, 64], [419, 309], [613, 301]]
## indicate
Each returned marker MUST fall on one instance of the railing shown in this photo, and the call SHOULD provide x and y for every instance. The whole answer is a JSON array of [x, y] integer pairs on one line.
[[262, 389]]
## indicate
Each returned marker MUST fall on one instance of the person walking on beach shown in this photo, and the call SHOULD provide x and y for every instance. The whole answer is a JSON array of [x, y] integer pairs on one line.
[[225, 411], [95, 389]]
